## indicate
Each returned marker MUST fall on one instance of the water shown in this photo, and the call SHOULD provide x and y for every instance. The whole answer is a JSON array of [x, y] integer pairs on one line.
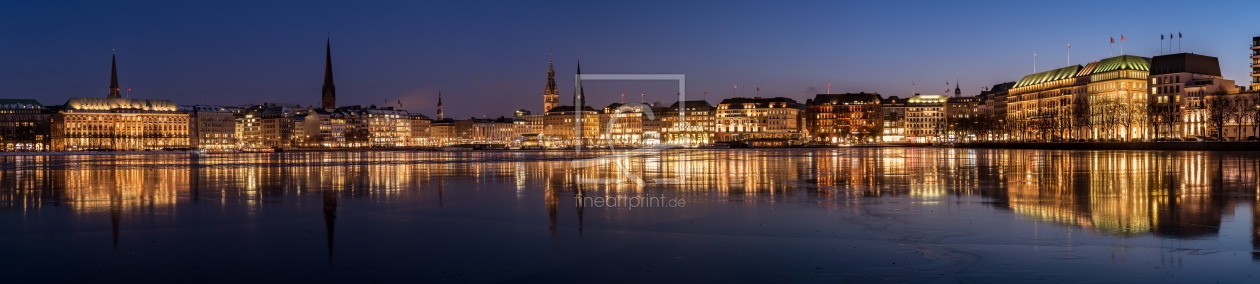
[[776, 215]]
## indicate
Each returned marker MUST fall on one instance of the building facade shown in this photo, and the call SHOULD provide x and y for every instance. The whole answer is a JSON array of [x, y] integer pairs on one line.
[[844, 118], [94, 124], [24, 125]]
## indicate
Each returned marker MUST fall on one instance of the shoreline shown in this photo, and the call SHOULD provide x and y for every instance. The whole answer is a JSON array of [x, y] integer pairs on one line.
[[1150, 146]]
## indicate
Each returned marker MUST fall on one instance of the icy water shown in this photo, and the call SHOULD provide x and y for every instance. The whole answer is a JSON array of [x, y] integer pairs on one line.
[[780, 215]]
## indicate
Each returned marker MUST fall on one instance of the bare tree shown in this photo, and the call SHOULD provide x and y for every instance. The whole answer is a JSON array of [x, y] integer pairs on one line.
[[1217, 109], [1080, 115]]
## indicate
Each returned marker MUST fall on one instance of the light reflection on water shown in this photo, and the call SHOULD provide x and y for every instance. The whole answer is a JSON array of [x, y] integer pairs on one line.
[[1164, 195]]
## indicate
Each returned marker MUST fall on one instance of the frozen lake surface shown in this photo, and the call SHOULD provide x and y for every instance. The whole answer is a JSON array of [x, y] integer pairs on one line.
[[742, 215]]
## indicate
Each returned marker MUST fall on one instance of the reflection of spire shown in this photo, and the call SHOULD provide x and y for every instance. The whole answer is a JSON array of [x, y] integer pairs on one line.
[[580, 208], [551, 199], [330, 219], [441, 188], [115, 213]]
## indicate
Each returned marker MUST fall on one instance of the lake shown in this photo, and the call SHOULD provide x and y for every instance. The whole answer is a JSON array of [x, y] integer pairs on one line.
[[730, 215]]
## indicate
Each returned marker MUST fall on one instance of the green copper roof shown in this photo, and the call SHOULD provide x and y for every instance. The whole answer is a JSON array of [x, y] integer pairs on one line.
[[1123, 62], [1047, 76]]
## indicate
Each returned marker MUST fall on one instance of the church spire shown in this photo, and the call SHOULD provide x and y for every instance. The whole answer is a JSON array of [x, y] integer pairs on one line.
[[579, 94], [551, 95], [441, 112], [957, 90], [113, 76], [329, 98]]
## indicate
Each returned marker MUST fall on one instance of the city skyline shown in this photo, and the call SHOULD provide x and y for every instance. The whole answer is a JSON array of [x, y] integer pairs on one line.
[[380, 66]]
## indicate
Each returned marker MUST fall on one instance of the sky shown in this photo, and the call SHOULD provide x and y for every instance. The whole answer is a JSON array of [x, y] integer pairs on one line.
[[489, 58]]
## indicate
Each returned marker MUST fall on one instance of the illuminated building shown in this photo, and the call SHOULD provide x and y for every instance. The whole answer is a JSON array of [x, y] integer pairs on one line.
[[1117, 97], [210, 127], [561, 122], [695, 127], [324, 128], [1255, 63], [24, 125], [893, 110], [844, 118], [420, 135], [631, 125], [758, 121], [1049, 104], [1178, 84], [374, 126], [267, 126], [964, 117], [925, 118], [119, 124], [528, 122]]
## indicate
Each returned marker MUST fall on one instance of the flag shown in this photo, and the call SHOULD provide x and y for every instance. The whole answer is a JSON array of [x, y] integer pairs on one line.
[[1113, 40], [1121, 38], [1069, 45], [1161, 36], [758, 89], [1178, 34]]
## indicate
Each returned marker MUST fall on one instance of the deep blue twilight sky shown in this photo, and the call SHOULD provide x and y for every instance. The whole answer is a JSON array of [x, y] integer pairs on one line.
[[490, 58]]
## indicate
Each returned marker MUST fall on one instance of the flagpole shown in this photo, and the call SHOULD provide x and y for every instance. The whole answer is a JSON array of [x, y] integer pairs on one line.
[[1069, 54]]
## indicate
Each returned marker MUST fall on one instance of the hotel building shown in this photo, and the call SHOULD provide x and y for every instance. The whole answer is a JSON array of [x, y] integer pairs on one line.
[[760, 121], [694, 127], [119, 124]]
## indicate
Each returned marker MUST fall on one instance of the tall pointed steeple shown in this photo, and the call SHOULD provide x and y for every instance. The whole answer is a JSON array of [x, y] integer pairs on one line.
[[579, 95], [329, 99], [441, 112], [551, 95], [957, 90], [113, 77]]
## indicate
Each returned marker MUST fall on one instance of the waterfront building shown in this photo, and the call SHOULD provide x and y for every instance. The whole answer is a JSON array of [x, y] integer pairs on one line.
[[374, 126], [844, 118], [1117, 91], [695, 126], [925, 118], [24, 125], [528, 122], [499, 131], [630, 125], [1050, 104], [444, 132], [893, 110], [267, 126], [965, 118], [560, 124], [323, 128], [210, 127], [83, 124], [420, 130], [1178, 84], [1255, 63], [759, 121]]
